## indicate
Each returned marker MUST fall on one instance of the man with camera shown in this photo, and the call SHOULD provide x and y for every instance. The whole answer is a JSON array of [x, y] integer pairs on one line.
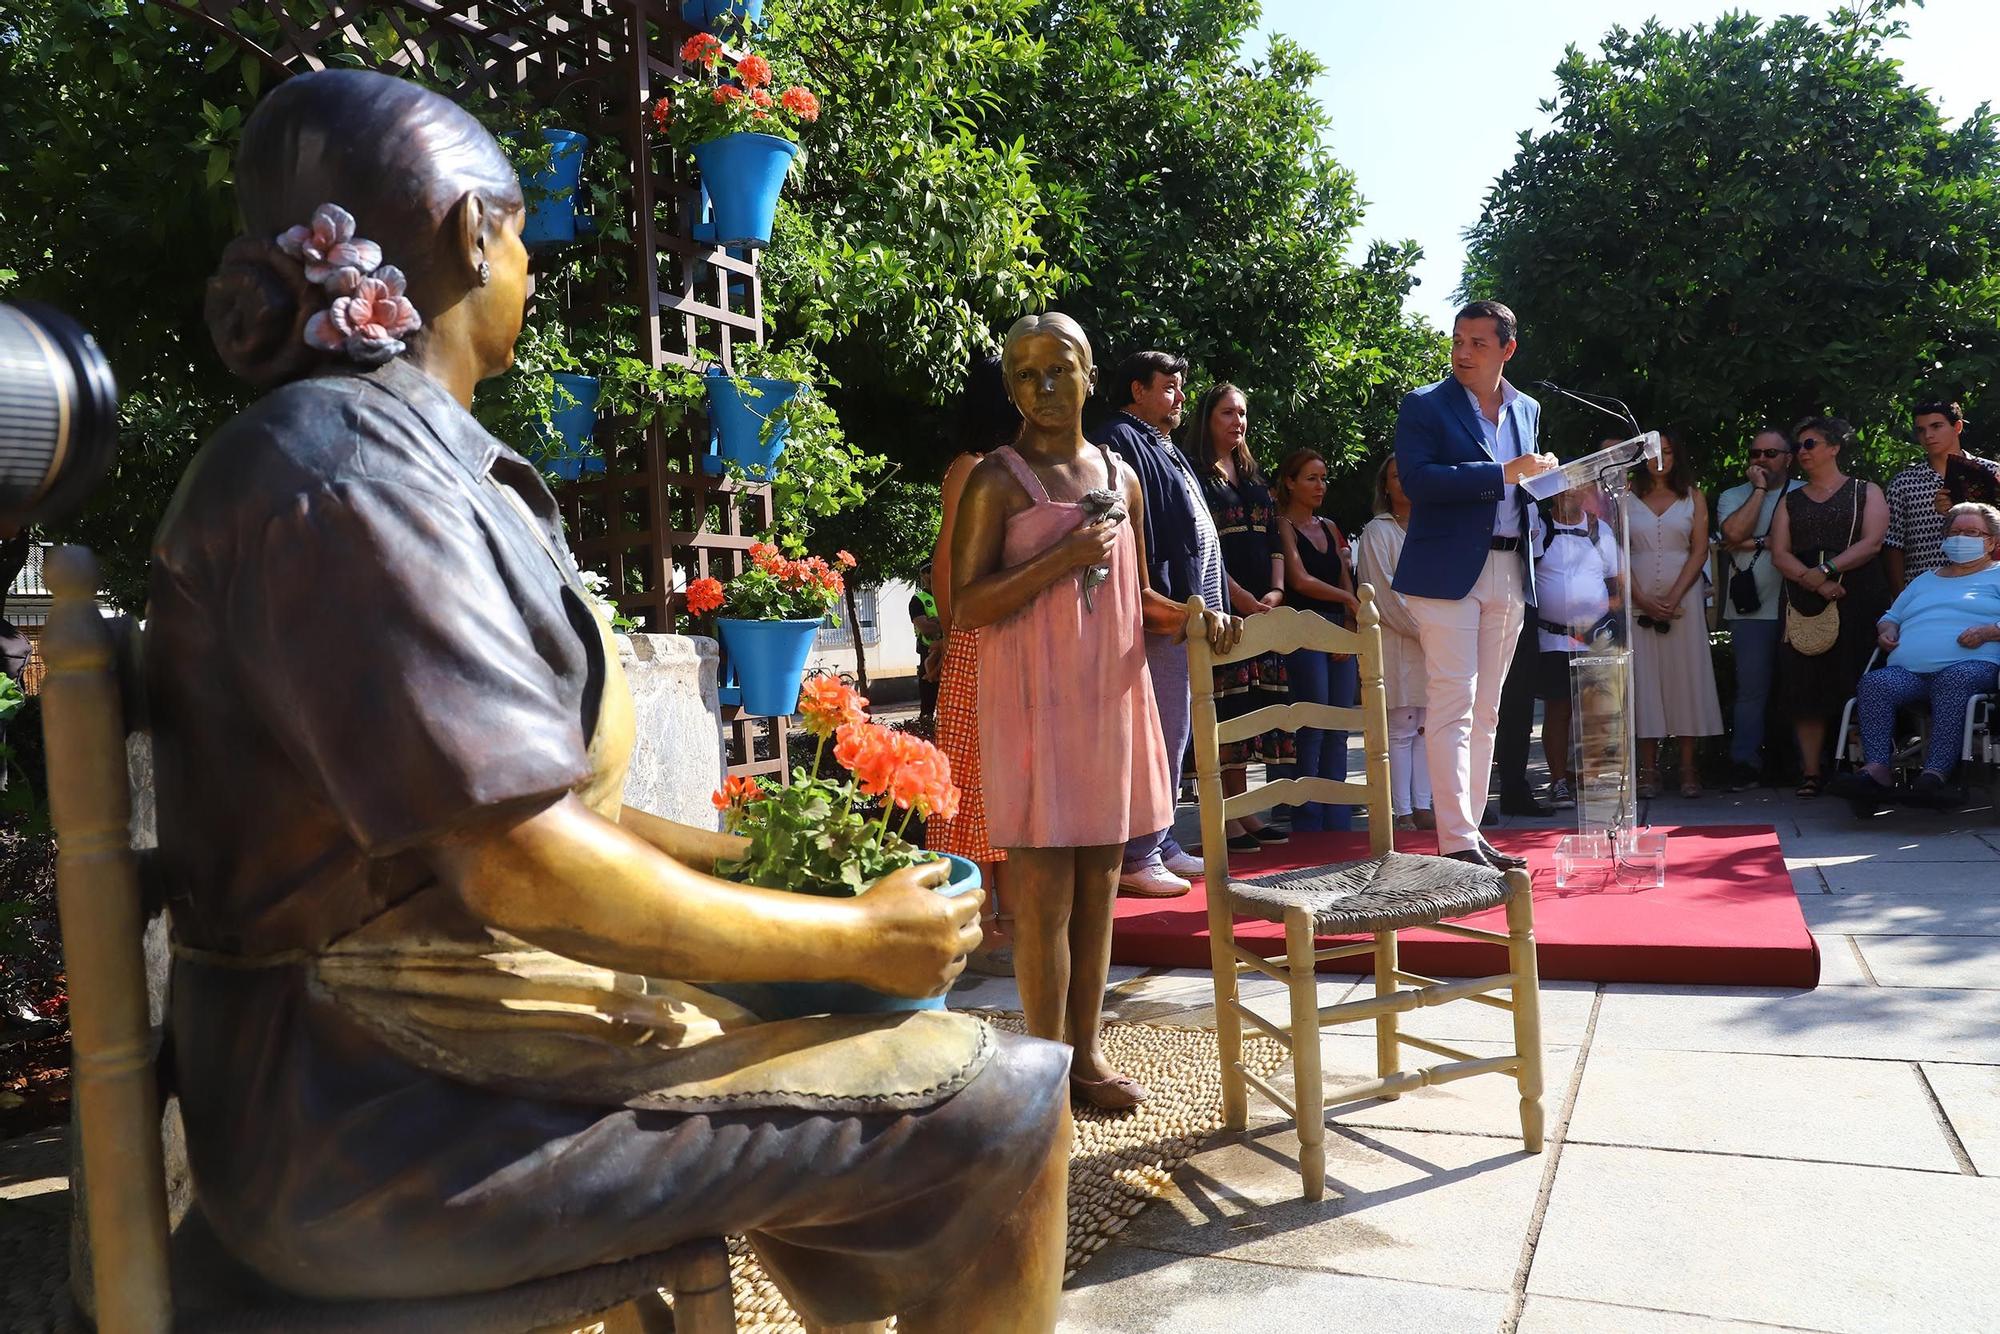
[[1750, 592]]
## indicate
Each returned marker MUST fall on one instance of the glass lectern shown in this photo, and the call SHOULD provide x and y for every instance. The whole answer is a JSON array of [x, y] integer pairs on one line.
[[1586, 606]]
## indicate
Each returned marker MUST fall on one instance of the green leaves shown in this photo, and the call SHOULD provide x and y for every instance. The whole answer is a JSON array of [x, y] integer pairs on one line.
[[1743, 221], [814, 836]]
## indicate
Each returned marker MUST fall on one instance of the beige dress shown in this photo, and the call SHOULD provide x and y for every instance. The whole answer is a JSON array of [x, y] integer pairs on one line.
[[1673, 678]]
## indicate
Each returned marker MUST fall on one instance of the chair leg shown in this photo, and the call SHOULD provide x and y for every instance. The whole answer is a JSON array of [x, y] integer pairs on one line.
[[1527, 1005], [1388, 1046], [1229, 1033], [1308, 1084], [702, 1300]]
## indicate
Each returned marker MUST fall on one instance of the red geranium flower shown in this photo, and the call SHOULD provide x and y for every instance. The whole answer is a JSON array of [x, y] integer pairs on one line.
[[727, 93], [845, 557], [760, 97], [704, 596], [735, 793], [663, 111], [704, 48], [800, 103], [754, 70]]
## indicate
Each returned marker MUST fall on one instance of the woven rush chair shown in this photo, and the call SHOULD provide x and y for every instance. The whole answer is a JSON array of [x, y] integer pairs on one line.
[[1378, 896], [148, 1277]]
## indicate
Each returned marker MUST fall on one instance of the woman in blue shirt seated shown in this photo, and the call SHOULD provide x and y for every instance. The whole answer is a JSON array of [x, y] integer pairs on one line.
[[1942, 636]]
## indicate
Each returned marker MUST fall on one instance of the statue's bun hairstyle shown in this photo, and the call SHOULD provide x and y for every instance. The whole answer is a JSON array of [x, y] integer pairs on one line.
[[393, 154]]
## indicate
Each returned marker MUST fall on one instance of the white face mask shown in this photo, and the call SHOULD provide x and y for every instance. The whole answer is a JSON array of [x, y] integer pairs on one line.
[[1964, 548]]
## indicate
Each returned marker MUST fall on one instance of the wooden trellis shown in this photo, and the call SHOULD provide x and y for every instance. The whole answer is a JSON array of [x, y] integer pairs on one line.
[[653, 510]]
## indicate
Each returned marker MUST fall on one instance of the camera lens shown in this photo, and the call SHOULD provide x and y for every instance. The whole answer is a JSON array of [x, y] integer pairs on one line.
[[58, 413]]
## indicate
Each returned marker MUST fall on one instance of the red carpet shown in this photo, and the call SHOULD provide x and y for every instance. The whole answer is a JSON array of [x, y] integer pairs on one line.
[[1727, 914]]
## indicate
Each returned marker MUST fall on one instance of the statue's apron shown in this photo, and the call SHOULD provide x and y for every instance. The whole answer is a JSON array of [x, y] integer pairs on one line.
[[452, 995]]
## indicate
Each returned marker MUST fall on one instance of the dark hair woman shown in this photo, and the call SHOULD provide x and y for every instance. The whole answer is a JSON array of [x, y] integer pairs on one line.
[[1826, 539], [427, 962], [986, 419], [1319, 577], [1673, 677], [1246, 521]]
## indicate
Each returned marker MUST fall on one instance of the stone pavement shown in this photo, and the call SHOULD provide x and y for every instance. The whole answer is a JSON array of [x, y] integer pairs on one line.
[[1718, 1158]]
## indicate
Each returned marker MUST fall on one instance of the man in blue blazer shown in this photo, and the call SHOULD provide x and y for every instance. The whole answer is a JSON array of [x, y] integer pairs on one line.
[[1467, 571]]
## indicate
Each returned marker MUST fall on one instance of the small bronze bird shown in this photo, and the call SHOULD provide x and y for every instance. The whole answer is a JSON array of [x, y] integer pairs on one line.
[[1098, 505]]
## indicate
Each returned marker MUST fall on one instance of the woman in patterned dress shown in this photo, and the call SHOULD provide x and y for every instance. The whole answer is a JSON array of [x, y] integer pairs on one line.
[[1246, 519], [987, 419]]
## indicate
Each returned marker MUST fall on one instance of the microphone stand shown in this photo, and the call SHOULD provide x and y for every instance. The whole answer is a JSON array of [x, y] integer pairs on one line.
[[1596, 402]]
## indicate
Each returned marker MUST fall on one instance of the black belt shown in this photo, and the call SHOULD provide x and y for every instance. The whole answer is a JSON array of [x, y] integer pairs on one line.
[[1506, 544]]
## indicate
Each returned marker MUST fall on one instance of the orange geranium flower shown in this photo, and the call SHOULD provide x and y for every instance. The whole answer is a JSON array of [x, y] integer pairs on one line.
[[704, 48], [726, 93], [735, 793], [829, 704], [845, 557], [800, 103], [754, 70], [704, 596], [663, 111]]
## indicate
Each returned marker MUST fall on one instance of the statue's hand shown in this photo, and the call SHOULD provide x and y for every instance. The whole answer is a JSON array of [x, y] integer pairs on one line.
[[915, 939]]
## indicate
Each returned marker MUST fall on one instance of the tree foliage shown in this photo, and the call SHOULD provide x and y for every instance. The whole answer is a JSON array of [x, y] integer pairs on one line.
[[1743, 221]]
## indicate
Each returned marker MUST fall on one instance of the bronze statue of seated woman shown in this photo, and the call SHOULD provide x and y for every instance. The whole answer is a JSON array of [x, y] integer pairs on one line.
[[438, 1014]]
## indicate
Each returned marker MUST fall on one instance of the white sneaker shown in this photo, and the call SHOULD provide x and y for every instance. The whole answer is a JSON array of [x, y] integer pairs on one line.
[[1186, 865], [1155, 882]]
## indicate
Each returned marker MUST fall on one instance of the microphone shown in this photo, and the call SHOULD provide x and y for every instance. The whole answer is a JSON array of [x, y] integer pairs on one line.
[[1593, 401]]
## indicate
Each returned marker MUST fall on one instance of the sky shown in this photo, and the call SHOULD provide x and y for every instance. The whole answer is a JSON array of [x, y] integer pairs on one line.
[[1424, 163]]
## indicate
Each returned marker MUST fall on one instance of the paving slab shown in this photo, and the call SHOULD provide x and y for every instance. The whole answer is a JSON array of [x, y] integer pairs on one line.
[[1971, 962], [1134, 1289], [974, 991], [1970, 1096], [1820, 1245], [1772, 1106], [1558, 1315], [1906, 911], [1877, 1023], [1853, 847], [1978, 878], [1807, 881], [1399, 1204], [1483, 1105], [1839, 965]]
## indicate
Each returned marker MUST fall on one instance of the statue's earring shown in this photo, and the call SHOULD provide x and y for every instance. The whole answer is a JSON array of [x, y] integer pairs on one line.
[[485, 273]]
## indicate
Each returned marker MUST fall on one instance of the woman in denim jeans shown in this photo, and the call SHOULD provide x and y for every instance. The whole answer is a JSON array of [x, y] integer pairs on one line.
[[1319, 576]]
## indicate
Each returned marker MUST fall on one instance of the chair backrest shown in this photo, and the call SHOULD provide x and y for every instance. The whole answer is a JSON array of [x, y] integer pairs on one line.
[[87, 701], [1286, 630]]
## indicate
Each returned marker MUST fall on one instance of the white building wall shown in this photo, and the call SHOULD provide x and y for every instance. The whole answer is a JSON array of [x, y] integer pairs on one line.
[[886, 634]]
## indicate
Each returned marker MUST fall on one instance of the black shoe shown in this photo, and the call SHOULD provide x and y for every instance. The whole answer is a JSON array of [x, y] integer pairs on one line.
[[1860, 785], [1503, 861], [1244, 843], [1933, 793], [1744, 777], [1270, 836], [1470, 855], [1523, 803]]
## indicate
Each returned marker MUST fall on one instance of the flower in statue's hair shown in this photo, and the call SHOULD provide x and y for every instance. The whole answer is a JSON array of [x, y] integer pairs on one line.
[[754, 70], [704, 595], [369, 323], [328, 244], [704, 48], [800, 103], [829, 704]]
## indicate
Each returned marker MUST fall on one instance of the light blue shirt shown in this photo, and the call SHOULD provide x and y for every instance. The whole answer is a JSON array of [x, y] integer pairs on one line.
[[1933, 611], [1503, 441]]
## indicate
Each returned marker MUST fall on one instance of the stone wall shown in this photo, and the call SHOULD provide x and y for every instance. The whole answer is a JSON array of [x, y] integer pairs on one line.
[[679, 760]]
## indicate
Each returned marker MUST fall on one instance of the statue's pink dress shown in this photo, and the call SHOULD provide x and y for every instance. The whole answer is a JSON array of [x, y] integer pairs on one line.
[[1069, 735]]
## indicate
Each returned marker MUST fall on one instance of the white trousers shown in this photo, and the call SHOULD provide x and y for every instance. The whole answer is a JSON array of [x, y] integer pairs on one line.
[[1409, 767], [1468, 645]]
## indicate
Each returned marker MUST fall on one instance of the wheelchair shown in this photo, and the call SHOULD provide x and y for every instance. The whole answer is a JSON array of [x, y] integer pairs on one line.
[[1979, 747]]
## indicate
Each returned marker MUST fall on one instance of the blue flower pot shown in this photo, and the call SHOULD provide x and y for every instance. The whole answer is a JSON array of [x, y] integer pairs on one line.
[[741, 175], [768, 660], [713, 14], [794, 1000], [552, 219], [736, 423], [567, 448]]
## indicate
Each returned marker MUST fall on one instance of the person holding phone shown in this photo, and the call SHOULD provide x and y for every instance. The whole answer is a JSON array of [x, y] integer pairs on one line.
[[1751, 591], [1922, 494]]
